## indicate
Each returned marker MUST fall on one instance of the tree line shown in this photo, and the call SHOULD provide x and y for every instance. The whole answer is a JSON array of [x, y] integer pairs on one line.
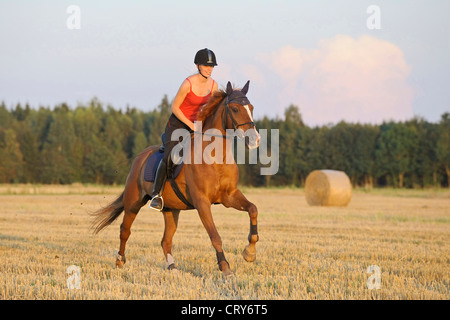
[[94, 143]]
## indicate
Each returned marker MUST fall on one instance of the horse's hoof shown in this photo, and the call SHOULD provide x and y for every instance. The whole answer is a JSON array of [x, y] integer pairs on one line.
[[120, 261], [119, 264], [174, 271], [228, 274], [249, 256]]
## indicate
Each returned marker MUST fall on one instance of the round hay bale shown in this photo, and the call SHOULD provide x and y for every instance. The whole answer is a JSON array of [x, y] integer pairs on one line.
[[328, 188]]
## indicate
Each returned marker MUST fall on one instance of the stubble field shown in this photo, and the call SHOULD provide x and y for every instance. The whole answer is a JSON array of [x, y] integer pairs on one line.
[[303, 253]]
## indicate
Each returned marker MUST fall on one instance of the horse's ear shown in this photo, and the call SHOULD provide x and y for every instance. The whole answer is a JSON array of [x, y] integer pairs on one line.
[[229, 88], [245, 88]]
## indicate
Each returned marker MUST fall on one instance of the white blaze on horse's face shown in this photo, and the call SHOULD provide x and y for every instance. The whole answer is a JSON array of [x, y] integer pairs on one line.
[[249, 112], [253, 135]]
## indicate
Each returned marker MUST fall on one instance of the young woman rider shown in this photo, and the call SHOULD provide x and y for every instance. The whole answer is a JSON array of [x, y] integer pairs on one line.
[[193, 93]]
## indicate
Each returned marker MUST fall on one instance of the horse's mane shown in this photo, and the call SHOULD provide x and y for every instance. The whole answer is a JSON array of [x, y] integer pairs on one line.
[[212, 105]]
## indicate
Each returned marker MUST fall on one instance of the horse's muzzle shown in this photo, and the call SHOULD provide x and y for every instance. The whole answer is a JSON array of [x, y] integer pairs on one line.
[[252, 138]]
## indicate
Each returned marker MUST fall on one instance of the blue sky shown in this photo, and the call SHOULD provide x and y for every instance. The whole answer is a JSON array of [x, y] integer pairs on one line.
[[318, 55]]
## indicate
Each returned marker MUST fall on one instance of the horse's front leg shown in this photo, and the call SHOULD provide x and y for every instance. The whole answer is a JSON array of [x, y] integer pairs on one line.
[[238, 201], [204, 210]]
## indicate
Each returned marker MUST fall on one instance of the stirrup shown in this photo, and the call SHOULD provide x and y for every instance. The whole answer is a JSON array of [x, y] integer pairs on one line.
[[154, 207]]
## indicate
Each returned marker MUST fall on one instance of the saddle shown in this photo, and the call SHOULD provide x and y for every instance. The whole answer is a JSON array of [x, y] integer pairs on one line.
[[153, 161], [152, 165]]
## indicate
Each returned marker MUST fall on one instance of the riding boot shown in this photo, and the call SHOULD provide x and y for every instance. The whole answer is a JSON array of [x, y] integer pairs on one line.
[[157, 202]]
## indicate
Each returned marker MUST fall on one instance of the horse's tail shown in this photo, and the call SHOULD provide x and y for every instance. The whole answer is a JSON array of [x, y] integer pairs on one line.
[[105, 216]]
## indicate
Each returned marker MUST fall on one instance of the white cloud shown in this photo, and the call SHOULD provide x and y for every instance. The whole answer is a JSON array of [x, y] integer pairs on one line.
[[356, 80]]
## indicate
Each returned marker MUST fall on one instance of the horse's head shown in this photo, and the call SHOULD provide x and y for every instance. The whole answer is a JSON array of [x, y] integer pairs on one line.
[[239, 115]]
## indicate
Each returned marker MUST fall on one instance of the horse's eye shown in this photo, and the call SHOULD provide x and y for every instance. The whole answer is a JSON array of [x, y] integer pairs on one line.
[[234, 109]]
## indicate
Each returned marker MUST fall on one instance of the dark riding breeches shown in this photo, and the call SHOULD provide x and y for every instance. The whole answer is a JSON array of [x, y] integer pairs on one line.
[[173, 124]]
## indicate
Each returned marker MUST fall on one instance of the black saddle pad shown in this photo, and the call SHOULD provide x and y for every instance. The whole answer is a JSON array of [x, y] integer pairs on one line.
[[152, 165]]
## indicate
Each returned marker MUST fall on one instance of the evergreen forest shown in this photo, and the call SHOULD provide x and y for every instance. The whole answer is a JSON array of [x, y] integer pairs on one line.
[[96, 143]]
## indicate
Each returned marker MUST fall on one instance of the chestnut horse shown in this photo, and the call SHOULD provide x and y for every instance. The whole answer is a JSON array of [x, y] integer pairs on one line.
[[201, 184]]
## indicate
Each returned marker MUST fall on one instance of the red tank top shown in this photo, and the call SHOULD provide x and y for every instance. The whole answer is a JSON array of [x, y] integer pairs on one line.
[[192, 103]]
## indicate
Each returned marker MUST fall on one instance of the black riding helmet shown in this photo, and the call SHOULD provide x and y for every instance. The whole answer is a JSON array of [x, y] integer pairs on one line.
[[205, 57]]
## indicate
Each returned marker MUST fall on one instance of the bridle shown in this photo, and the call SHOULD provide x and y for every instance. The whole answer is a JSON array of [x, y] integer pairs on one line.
[[225, 114], [228, 113]]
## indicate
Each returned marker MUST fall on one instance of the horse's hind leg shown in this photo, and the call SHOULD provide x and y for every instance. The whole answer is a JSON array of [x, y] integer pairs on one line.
[[125, 231], [132, 205], [170, 226]]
